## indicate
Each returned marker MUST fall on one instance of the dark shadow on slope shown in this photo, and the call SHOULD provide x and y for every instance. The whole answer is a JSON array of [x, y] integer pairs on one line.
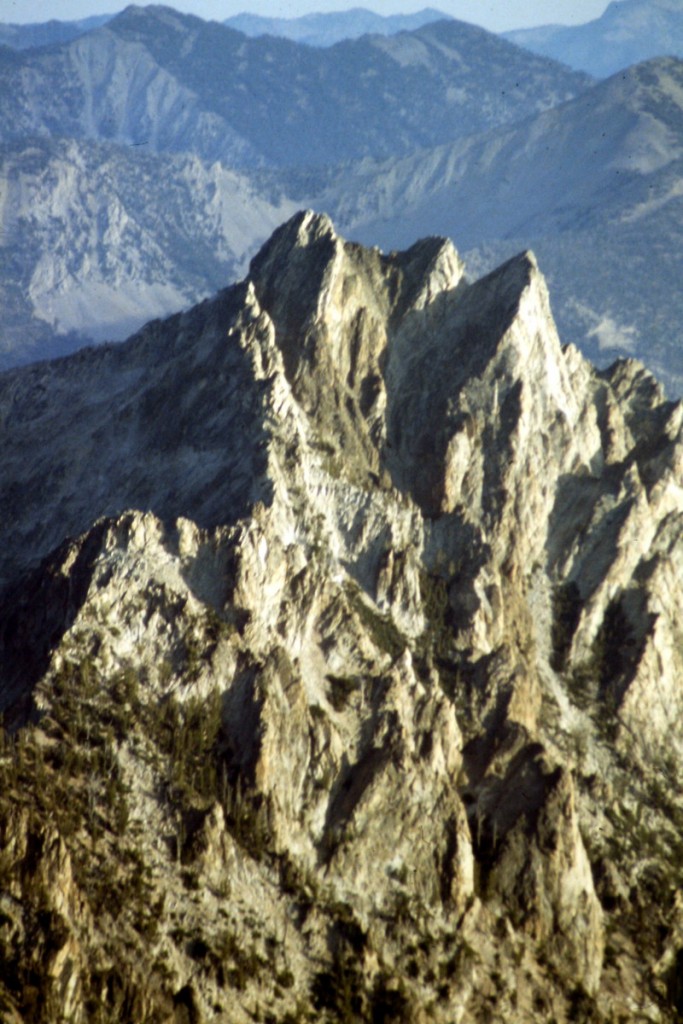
[[434, 353], [172, 422], [34, 616]]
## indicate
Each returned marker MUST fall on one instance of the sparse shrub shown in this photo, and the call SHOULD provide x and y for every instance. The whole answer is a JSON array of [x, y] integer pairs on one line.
[[567, 606], [383, 631], [340, 991], [389, 1002]]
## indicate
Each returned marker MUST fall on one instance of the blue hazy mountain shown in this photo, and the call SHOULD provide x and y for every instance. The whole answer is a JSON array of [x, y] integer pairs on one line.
[[169, 81], [325, 29], [592, 186], [628, 32], [142, 163], [24, 37]]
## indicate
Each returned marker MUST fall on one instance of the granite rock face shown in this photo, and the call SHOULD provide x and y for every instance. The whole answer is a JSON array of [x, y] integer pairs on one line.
[[341, 659]]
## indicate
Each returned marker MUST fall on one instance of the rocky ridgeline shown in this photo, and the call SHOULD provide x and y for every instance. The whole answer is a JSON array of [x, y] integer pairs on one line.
[[144, 159], [354, 692]]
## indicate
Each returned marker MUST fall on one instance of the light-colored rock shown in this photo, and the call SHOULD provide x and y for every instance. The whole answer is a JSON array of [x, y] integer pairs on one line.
[[364, 652]]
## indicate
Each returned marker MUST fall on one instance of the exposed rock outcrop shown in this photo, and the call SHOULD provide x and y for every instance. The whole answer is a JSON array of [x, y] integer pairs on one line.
[[359, 664]]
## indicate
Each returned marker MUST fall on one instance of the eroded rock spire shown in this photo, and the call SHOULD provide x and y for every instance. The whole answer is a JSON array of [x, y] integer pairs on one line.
[[346, 608]]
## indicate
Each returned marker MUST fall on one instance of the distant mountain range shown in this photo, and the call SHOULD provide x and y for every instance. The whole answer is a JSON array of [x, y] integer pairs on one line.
[[325, 29], [134, 181], [321, 29], [23, 37], [628, 32], [172, 82]]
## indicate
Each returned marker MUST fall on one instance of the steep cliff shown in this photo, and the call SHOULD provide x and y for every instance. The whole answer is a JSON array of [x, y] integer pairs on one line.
[[341, 659], [133, 155]]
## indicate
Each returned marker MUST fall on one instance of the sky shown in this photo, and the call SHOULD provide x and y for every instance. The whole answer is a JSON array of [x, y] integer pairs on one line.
[[495, 15]]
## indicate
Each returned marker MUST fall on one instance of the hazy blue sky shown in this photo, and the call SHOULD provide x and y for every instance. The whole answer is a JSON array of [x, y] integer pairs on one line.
[[496, 15]]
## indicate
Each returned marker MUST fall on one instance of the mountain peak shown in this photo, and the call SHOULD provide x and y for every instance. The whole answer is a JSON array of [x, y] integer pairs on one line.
[[320, 292], [302, 230], [307, 246], [136, 18], [626, 33], [364, 645]]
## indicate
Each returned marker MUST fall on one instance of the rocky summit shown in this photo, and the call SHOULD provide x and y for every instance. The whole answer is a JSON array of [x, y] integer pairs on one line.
[[341, 652]]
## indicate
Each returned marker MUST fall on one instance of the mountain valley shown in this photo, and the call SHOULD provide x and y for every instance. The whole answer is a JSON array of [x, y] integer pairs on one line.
[[97, 248]]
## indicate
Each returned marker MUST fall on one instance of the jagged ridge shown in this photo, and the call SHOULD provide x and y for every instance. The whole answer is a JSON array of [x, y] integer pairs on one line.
[[381, 675]]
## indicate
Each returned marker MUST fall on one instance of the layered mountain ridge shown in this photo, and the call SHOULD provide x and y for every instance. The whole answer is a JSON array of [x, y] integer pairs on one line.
[[143, 163], [176, 83], [592, 185], [326, 29], [346, 608], [312, 29], [628, 32], [163, 195]]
